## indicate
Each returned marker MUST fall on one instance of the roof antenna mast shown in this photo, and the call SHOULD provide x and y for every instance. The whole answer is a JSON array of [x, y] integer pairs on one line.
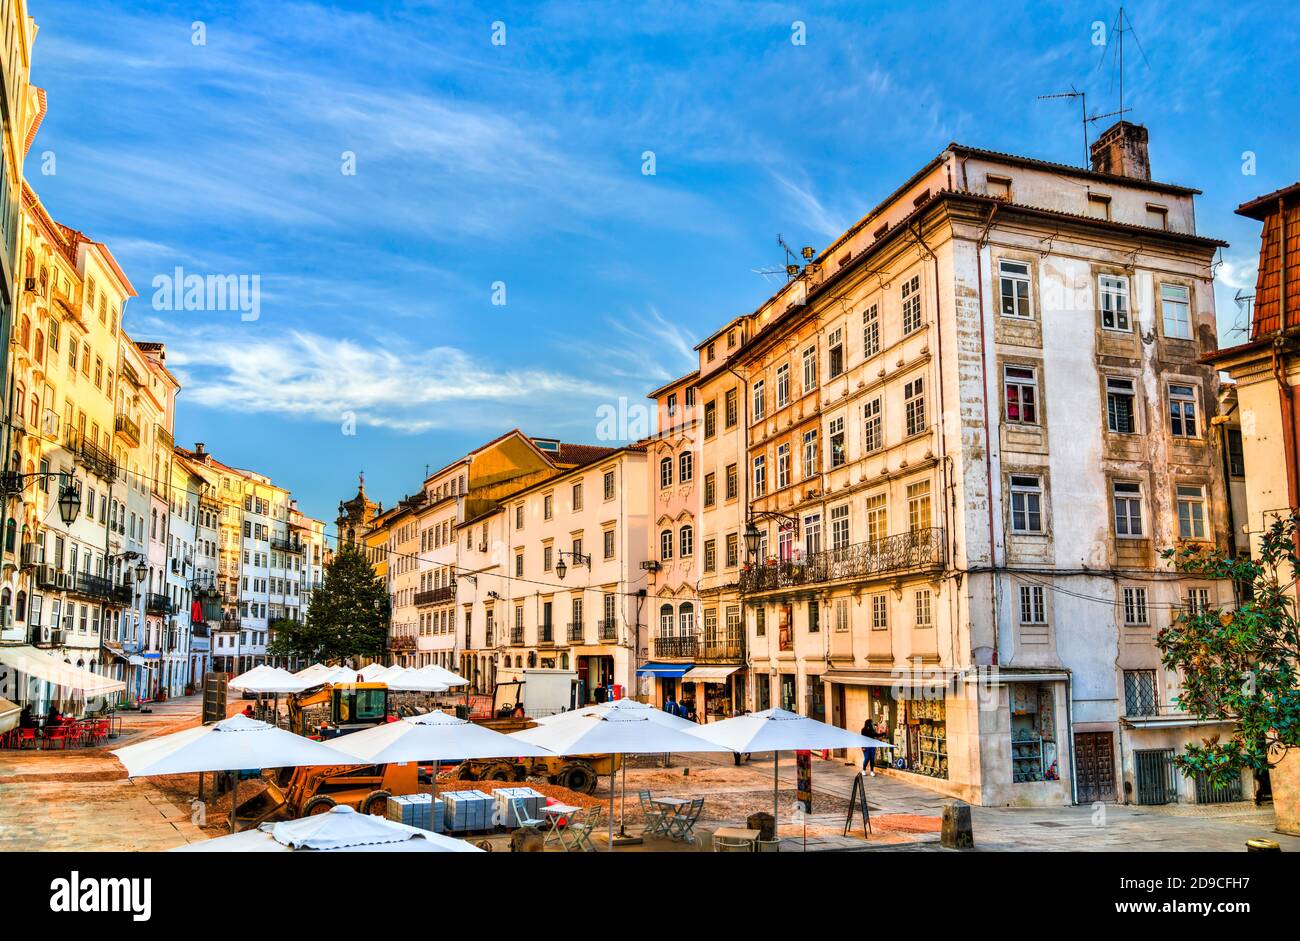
[[1083, 107]]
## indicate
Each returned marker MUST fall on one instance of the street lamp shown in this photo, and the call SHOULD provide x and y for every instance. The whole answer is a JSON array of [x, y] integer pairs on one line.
[[69, 501], [141, 570], [578, 559], [752, 538]]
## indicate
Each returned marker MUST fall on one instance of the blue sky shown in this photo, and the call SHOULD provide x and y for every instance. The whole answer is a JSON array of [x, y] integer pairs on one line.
[[522, 163]]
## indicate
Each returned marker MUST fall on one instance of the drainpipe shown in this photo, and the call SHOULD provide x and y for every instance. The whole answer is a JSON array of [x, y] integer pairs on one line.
[[988, 438], [742, 471], [1286, 395]]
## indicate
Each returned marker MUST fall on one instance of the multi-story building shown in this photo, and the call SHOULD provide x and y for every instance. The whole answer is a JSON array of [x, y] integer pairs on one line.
[[438, 640], [964, 433]]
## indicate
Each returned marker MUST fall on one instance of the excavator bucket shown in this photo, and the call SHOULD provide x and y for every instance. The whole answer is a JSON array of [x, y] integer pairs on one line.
[[261, 807]]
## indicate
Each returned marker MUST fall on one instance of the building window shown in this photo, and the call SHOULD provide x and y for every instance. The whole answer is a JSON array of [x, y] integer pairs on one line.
[[1099, 206], [1191, 512], [665, 472], [812, 534], [836, 429], [686, 467], [783, 385], [923, 617], [710, 489], [666, 620], [1021, 386], [840, 527], [841, 615], [870, 332], [911, 311], [686, 538], [577, 496], [760, 476], [519, 516], [710, 419], [918, 506], [731, 411], [609, 485], [1014, 279], [548, 506], [666, 544], [1182, 411], [877, 518], [609, 543], [1127, 499], [519, 565], [760, 622], [1033, 609], [710, 555], [733, 482], [914, 402], [1121, 406], [814, 617], [879, 612], [1140, 697], [1026, 504], [547, 555], [1114, 302], [1198, 600], [733, 550], [759, 400], [836, 344], [809, 369], [809, 453], [686, 620], [783, 466], [1175, 307], [1135, 607], [871, 427], [672, 405]]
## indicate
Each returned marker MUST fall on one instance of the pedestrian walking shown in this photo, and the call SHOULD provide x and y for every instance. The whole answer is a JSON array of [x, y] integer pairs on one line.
[[869, 753]]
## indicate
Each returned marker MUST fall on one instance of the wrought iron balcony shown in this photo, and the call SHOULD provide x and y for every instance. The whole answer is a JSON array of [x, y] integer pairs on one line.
[[608, 629], [128, 429], [288, 544], [94, 458], [919, 550], [157, 604], [436, 595], [517, 636], [577, 633], [681, 648], [546, 634], [93, 586], [722, 648]]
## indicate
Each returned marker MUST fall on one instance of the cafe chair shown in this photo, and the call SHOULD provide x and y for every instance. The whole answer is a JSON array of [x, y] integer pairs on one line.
[[580, 829], [730, 845], [519, 816], [682, 826], [768, 846], [654, 817]]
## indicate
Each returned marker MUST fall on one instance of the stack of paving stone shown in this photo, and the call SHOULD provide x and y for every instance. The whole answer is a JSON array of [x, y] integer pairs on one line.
[[529, 802], [467, 810], [417, 810]]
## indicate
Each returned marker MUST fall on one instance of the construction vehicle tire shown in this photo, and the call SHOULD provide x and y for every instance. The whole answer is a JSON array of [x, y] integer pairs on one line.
[[578, 776], [465, 772], [498, 771], [376, 803], [319, 804]]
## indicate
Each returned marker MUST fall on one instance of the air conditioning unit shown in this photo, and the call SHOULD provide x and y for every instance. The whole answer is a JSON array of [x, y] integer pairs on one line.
[[46, 576], [7, 629], [651, 565]]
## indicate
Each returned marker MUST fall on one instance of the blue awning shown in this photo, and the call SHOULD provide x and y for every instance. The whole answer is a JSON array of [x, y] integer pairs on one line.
[[666, 670]]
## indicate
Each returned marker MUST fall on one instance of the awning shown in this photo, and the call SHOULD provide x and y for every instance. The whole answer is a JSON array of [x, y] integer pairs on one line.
[[37, 663], [116, 652], [138, 661], [665, 670], [709, 674]]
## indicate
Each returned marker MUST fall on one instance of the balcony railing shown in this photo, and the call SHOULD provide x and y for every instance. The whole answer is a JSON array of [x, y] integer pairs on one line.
[[93, 586], [157, 604], [284, 544], [678, 647], [436, 595], [608, 629], [94, 458], [722, 648], [517, 636], [546, 634], [918, 550], [577, 633], [128, 429]]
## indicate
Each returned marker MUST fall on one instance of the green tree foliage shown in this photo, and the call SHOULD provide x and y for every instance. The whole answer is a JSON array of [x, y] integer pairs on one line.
[[1241, 663], [347, 617]]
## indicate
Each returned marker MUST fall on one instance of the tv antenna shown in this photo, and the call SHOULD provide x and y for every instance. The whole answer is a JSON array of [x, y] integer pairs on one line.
[[1083, 105], [1123, 24]]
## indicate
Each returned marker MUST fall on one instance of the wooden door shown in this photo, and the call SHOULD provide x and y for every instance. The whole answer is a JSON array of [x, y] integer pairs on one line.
[[1094, 763]]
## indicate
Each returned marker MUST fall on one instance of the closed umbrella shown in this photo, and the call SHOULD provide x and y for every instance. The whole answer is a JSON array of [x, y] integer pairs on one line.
[[230, 745], [778, 730], [342, 828], [617, 731], [434, 736]]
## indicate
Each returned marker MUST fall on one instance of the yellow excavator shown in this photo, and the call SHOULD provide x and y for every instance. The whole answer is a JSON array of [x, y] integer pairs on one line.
[[323, 713]]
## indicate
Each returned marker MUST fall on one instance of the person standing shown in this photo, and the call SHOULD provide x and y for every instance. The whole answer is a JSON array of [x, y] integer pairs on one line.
[[670, 704], [869, 753]]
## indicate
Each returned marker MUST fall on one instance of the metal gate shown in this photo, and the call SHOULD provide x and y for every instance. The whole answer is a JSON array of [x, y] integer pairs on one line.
[[1207, 793], [1094, 760], [1156, 781]]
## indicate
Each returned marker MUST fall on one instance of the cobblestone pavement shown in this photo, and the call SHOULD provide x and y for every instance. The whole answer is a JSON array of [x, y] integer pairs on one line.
[[82, 800]]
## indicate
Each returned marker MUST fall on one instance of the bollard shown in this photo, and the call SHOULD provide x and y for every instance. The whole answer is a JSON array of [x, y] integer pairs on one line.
[[764, 823], [957, 832]]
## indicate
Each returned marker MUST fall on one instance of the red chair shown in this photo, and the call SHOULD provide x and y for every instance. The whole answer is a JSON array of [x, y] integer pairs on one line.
[[25, 736], [98, 731], [56, 733]]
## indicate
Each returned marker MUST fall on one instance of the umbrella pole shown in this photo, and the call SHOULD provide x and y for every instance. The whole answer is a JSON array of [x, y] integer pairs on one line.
[[776, 785], [622, 810], [611, 803], [234, 802]]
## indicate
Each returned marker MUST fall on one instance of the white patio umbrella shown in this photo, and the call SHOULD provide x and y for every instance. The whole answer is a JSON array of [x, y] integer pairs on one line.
[[230, 745], [371, 671], [434, 737], [778, 730], [270, 681], [405, 679], [615, 732], [342, 828], [624, 707], [443, 675]]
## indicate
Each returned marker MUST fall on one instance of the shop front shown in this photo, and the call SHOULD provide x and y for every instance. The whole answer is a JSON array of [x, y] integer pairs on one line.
[[596, 682], [717, 692], [666, 680]]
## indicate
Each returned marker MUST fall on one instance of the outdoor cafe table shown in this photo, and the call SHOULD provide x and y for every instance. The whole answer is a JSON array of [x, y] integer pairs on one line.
[[557, 812], [674, 804], [737, 833]]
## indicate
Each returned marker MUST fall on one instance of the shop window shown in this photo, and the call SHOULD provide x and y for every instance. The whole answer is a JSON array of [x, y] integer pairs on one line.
[[1033, 733], [927, 737], [1140, 698]]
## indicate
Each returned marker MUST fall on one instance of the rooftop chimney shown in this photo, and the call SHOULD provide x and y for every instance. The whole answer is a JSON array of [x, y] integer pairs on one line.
[[198, 448], [1122, 151]]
